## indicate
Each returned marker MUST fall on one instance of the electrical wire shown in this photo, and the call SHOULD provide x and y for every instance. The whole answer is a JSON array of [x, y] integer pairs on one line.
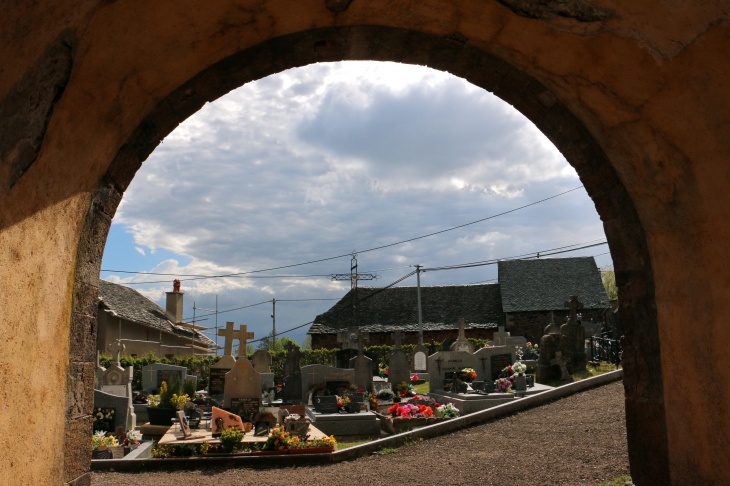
[[362, 251]]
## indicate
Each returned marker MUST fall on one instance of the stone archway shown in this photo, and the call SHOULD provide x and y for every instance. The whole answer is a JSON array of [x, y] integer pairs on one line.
[[110, 81]]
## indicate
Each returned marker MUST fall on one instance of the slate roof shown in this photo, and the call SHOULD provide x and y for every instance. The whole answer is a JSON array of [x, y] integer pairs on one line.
[[397, 308], [546, 283], [133, 306]]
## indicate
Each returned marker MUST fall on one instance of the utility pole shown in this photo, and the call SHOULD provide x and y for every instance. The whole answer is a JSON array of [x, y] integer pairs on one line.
[[216, 324], [273, 316], [420, 315]]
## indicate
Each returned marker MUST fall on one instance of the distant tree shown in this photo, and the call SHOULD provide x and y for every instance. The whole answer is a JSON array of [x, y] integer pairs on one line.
[[307, 343], [609, 281], [278, 345], [250, 349]]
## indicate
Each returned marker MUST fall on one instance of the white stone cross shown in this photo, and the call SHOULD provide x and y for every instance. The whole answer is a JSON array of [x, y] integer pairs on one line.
[[243, 336], [230, 334], [500, 337], [117, 348]]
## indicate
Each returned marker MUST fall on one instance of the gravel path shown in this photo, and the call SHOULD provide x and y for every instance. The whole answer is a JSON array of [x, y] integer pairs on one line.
[[577, 440]]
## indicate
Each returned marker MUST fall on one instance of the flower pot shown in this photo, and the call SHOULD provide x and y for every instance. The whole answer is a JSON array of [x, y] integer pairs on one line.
[[161, 416], [520, 383], [312, 450]]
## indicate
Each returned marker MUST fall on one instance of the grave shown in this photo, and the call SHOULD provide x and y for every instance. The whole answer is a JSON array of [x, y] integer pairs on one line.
[[362, 365], [419, 359], [241, 382], [462, 343], [217, 379], [261, 361], [116, 390], [343, 424], [316, 374], [502, 338], [398, 363], [572, 334], [443, 362], [292, 389], [492, 360], [154, 374]]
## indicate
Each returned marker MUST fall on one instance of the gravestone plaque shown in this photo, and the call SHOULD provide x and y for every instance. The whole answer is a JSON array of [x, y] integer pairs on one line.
[[168, 376], [419, 361], [443, 362], [245, 408], [484, 367], [499, 362], [217, 381], [325, 404], [118, 390], [241, 382]]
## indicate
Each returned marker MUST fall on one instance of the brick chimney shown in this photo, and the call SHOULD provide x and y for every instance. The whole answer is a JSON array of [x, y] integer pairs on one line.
[[174, 304]]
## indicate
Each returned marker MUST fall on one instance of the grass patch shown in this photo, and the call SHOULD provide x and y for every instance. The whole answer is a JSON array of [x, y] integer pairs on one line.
[[388, 450], [346, 445], [422, 388], [590, 372]]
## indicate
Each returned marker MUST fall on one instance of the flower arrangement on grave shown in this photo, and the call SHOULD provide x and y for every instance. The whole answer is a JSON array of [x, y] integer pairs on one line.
[[171, 397], [306, 443], [383, 371], [131, 440], [342, 401], [103, 420], [406, 390], [448, 411], [469, 374], [410, 410], [230, 438], [386, 394], [503, 385], [370, 397], [101, 441], [278, 440], [519, 369], [414, 377]]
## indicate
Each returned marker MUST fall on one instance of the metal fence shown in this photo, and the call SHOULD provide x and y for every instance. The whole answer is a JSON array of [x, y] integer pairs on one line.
[[607, 350]]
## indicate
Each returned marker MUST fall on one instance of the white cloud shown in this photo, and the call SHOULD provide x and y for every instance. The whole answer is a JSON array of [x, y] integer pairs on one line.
[[331, 158], [140, 250]]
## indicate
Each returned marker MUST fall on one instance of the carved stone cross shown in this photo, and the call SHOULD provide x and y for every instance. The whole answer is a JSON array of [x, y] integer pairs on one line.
[[462, 326], [230, 334], [573, 305], [396, 337], [117, 348], [562, 362], [500, 337], [346, 337], [243, 336], [361, 338]]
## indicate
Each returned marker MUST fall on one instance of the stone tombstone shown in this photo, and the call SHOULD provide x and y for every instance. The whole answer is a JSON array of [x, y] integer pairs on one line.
[[292, 390], [217, 381], [443, 362], [155, 373], [246, 408], [447, 343], [494, 357], [293, 356], [262, 360], [462, 343], [325, 404], [572, 334], [349, 338], [502, 338], [419, 358], [316, 374], [592, 328], [117, 381], [549, 345], [363, 366], [241, 382], [398, 363]]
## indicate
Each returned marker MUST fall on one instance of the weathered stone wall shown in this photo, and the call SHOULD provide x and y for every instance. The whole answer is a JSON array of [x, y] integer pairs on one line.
[[633, 93]]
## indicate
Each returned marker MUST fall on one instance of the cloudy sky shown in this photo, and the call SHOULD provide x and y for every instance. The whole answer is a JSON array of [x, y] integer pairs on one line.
[[333, 158]]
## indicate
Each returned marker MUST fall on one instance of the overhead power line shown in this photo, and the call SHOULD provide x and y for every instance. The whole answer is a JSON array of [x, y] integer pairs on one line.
[[359, 251]]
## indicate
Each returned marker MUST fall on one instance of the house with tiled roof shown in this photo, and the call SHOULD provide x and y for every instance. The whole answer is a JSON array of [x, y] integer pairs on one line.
[[529, 293], [144, 326]]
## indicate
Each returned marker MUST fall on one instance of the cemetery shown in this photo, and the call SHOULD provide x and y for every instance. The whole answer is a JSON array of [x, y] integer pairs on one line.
[[244, 413]]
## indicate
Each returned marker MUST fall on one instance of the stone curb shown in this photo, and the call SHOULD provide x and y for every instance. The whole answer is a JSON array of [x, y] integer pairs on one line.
[[355, 452]]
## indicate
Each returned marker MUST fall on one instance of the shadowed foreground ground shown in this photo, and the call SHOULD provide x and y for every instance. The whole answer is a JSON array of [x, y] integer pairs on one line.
[[577, 440]]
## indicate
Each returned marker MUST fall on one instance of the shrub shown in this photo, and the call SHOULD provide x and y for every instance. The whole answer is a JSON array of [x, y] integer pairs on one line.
[[230, 438]]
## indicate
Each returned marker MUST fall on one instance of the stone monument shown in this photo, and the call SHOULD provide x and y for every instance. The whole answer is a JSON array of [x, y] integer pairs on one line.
[[217, 381], [116, 389], [261, 361], [462, 343], [363, 365], [242, 382], [292, 389], [398, 363]]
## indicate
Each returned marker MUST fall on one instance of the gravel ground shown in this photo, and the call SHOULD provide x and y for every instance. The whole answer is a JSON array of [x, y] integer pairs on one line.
[[577, 440]]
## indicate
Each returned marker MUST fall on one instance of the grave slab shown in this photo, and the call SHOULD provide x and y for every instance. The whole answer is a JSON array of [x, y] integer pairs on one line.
[[447, 362]]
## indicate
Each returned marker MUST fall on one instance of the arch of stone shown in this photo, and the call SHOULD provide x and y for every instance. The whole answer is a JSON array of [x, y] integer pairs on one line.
[[634, 95]]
